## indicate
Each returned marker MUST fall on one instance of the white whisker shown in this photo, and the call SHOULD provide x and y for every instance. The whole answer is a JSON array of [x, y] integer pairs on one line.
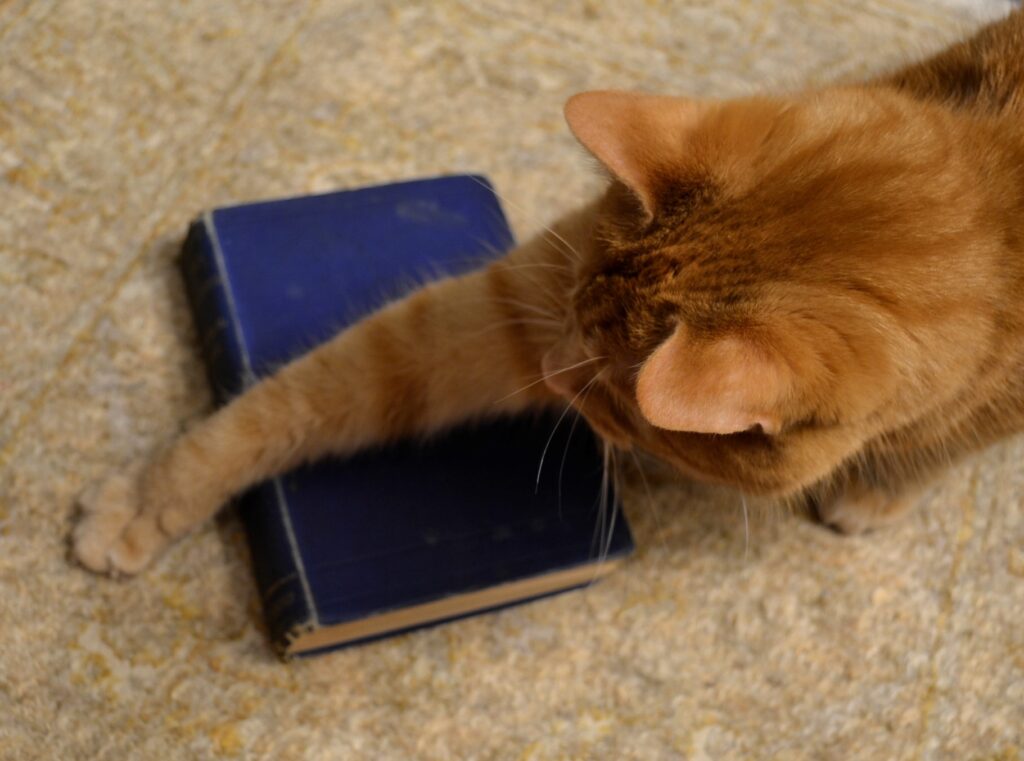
[[565, 453], [549, 375], [547, 228], [650, 502], [746, 528], [553, 325], [554, 430], [535, 308], [610, 455], [604, 531], [536, 265]]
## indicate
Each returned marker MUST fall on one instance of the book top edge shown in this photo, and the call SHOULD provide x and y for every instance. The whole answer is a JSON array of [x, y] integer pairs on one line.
[[480, 180]]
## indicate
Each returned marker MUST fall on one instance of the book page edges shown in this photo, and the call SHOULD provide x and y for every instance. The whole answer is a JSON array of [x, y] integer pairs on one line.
[[305, 638]]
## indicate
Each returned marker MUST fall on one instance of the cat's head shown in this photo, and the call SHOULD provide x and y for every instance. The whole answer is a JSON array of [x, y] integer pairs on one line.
[[771, 281]]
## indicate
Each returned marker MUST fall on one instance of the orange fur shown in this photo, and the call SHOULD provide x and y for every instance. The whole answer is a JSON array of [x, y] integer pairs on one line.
[[837, 270]]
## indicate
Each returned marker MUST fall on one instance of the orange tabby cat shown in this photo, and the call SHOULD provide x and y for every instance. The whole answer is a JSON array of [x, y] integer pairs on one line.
[[817, 296]]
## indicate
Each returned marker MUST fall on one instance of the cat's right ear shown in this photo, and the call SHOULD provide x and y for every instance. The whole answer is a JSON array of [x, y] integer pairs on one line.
[[641, 139], [725, 385]]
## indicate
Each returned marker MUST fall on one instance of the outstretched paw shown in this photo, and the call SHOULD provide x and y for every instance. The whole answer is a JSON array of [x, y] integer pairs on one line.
[[115, 535]]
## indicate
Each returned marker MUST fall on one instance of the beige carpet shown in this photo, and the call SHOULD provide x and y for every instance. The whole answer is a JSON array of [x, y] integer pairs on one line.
[[119, 121]]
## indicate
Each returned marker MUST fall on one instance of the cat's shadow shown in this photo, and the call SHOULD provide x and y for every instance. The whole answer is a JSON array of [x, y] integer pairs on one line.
[[672, 514]]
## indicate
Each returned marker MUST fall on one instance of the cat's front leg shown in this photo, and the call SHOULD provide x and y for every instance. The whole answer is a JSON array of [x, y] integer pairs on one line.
[[458, 348], [132, 515]]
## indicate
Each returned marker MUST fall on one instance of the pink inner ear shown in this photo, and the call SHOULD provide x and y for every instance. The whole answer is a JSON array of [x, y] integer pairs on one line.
[[635, 136], [727, 385]]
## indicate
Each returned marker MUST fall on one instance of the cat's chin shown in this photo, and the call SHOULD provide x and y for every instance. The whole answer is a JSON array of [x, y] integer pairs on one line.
[[611, 436], [608, 427]]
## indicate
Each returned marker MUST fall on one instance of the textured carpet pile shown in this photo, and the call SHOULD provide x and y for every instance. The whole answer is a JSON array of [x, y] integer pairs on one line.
[[120, 121]]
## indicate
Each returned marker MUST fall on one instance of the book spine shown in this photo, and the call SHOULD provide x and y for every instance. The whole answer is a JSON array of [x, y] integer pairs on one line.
[[280, 576], [220, 344]]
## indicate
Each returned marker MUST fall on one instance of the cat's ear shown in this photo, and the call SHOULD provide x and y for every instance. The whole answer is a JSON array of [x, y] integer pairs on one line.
[[724, 385], [640, 138]]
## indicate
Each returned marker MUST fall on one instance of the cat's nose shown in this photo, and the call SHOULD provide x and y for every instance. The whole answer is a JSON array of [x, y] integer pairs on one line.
[[557, 377]]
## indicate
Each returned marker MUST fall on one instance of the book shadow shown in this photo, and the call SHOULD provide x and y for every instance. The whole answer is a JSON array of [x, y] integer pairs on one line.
[[167, 280], [165, 275]]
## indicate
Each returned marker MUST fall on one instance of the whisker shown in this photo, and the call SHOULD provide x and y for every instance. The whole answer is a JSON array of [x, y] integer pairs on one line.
[[520, 209], [650, 502], [565, 453], [605, 529], [568, 246], [535, 308], [554, 430], [597, 542], [610, 454], [547, 280], [533, 265], [543, 378], [554, 325], [746, 528]]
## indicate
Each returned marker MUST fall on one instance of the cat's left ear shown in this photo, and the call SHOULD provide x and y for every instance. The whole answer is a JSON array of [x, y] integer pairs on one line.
[[723, 385], [641, 139]]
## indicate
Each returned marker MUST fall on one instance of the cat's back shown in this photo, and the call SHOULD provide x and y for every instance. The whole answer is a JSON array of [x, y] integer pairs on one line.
[[984, 73]]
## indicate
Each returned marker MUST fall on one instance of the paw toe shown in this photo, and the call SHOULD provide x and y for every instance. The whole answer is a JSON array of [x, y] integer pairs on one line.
[[846, 521], [139, 544], [107, 509], [89, 545]]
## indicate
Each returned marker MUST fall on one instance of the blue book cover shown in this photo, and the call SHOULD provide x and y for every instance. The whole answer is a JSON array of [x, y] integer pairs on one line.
[[415, 533]]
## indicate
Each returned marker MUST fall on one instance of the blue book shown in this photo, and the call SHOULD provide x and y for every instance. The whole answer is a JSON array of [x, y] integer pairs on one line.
[[415, 533]]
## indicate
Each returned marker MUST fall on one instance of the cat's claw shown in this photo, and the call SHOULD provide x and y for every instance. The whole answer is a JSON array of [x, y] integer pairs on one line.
[[114, 535]]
